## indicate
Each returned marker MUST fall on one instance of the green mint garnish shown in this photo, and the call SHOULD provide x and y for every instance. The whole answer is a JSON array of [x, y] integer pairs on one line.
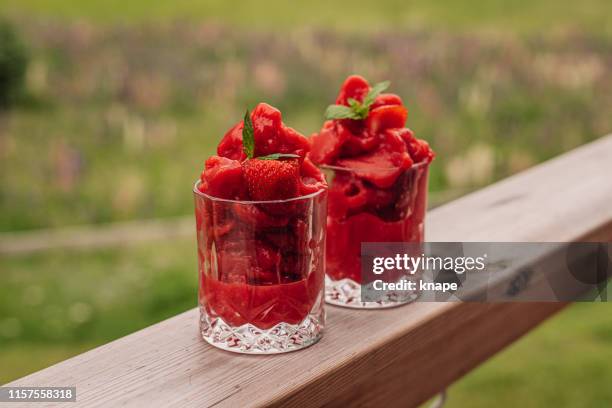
[[356, 110], [340, 112], [248, 142], [248, 138], [375, 91], [276, 156]]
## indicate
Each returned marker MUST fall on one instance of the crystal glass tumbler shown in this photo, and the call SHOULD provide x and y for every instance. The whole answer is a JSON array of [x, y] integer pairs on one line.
[[261, 272], [358, 212]]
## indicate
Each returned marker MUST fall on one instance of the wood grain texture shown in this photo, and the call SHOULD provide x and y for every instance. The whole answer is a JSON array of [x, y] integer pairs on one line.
[[394, 357]]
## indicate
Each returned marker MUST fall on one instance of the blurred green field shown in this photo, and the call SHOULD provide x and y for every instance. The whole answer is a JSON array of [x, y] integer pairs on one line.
[[59, 303], [110, 109], [124, 101], [541, 16]]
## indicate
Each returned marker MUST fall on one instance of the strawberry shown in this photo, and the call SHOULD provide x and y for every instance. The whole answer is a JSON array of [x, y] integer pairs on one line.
[[267, 257], [271, 179], [386, 99], [381, 167], [222, 178], [355, 87], [418, 148], [327, 143], [231, 144], [386, 117], [269, 135], [267, 128], [312, 178], [356, 143]]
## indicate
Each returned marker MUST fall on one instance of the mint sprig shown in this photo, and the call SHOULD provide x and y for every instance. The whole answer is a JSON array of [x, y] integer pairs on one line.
[[277, 156], [375, 91], [248, 136], [356, 110], [248, 142], [340, 112]]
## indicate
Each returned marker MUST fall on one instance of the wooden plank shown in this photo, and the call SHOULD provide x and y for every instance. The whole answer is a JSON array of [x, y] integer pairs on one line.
[[395, 357]]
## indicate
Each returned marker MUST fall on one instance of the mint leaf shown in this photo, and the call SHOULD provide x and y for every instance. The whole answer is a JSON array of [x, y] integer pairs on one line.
[[340, 112], [248, 137], [353, 102], [276, 156], [374, 92]]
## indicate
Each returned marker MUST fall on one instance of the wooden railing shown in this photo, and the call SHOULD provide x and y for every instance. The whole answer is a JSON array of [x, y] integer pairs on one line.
[[395, 357]]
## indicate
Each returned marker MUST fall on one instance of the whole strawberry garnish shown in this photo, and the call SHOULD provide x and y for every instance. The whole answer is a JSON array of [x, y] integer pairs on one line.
[[271, 179], [275, 176]]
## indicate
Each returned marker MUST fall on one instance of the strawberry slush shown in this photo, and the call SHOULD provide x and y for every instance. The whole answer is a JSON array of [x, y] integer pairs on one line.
[[260, 218], [377, 175]]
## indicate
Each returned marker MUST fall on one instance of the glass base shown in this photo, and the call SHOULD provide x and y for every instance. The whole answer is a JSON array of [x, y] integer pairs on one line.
[[248, 339], [347, 293]]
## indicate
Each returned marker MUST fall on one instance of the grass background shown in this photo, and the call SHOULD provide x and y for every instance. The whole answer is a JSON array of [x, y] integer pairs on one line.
[[538, 17], [124, 101]]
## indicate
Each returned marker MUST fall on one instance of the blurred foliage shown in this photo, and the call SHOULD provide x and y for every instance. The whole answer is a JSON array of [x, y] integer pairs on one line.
[[62, 297], [516, 16], [13, 64], [118, 105], [64, 302]]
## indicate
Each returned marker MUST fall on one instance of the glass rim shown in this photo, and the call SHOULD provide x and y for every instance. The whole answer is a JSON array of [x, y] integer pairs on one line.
[[414, 166], [252, 202]]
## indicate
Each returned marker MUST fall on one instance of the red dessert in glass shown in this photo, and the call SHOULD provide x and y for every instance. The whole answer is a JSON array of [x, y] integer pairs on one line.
[[377, 173], [260, 218]]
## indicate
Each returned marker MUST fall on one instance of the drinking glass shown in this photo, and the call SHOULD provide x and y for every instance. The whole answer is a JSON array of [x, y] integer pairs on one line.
[[261, 272], [359, 212]]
